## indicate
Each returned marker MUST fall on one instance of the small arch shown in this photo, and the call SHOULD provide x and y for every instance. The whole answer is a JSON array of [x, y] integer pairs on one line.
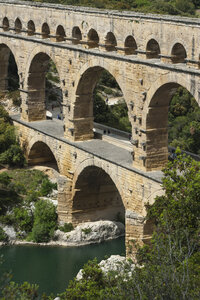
[[60, 34], [30, 28], [76, 35], [96, 196], [110, 42], [130, 45], [45, 31], [18, 25], [178, 54], [6, 24], [153, 49], [93, 38], [41, 154]]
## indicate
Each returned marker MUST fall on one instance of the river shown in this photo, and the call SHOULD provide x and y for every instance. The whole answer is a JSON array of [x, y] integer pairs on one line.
[[53, 267]]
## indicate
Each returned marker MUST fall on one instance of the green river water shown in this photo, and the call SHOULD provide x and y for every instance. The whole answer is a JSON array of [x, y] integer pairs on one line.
[[52, 267]]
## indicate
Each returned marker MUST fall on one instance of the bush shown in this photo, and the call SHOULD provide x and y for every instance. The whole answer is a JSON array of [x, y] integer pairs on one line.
[[13, 291], [47, 186], [3, 235], [45, 221], [87, 230], [67, 227], [23, 219], [13, 156]]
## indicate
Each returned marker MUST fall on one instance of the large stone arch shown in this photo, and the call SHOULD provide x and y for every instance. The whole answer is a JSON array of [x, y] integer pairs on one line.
[[5, 49], [41, 49], [40, 151], [155, 116], [81, 113], [34, 103], [96, 193], [103, 165]]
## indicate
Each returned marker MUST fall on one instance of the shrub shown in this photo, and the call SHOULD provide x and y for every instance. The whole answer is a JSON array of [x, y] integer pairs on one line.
[[13, 291], [3, 235], [47, 186], [45, 221], [23, 219], [67, 227], [87, 230], [13, 156]]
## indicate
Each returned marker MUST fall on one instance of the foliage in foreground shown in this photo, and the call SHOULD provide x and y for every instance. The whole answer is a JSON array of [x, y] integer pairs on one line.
[[21, 207]]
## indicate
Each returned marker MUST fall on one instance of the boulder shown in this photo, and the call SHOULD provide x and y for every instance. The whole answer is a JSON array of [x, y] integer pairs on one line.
[[91, 232]]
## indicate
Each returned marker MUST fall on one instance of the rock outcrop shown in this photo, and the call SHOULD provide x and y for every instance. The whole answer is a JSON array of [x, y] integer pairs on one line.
[[90, 233], [115, 263]]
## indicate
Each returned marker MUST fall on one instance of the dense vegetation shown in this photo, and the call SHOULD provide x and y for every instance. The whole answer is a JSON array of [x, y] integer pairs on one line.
[[20, 206], [166, 269], [184, 122], [10, 151], [172, 7]]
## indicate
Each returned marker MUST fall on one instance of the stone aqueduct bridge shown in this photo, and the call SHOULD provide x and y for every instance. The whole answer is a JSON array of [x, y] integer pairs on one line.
[[149, 56]]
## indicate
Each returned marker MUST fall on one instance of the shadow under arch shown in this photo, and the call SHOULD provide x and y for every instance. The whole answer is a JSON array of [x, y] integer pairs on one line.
[[30, 28], [178, 54], [96, 197], [36, 83], [157, 126], [152, 49], [41, 154], [9, 67], [18, 26], [5, 24], [83, 106]]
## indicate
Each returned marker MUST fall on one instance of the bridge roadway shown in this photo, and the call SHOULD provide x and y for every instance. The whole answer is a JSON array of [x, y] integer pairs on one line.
[[102, 149]]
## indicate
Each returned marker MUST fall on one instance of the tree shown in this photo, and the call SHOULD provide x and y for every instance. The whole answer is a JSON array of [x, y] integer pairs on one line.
[[45, 221]]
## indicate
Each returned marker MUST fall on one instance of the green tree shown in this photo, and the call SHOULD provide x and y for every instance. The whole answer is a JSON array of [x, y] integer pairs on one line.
[[45, 221]]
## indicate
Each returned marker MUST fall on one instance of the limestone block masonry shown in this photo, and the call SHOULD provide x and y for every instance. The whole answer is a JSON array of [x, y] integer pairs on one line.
[[150, 56]]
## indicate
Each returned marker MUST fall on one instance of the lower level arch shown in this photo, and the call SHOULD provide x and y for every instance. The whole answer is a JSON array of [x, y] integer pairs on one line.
[[41, 154], [96, 197]]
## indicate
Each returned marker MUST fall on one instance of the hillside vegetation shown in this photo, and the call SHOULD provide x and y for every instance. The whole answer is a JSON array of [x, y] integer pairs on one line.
[[171, 7]]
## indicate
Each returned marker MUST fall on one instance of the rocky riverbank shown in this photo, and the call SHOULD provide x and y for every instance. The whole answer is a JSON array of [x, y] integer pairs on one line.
[[83, 234], [116, 263]]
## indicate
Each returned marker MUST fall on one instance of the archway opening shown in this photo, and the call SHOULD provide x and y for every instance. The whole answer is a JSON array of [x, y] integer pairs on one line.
[[152, 49], [178, 54], [110, 42], [96, 197], [45, 31], [173, 120], [18, 26], [76, 35], [9, 79], [93, 39], [5, 24], [100, 99], [30, 28], [41, 154], [60, 34], [130, 45], [44, 89]]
